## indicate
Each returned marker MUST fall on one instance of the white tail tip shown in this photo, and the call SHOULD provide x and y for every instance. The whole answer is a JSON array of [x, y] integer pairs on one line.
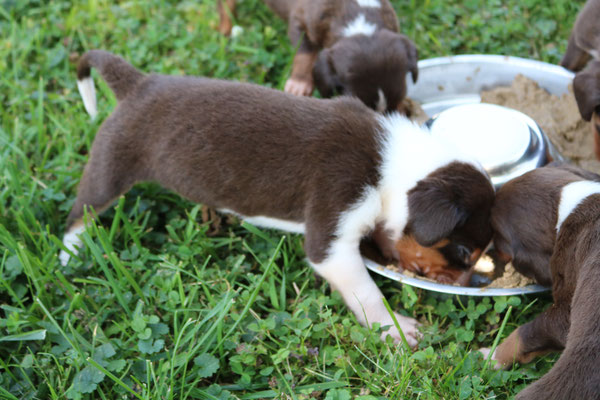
[[87, 90]]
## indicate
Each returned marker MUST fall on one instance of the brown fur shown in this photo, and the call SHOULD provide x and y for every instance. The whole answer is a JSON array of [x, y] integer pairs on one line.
[[584, 38], [596, 133], [586, 86], [358, 65], [226, 11], [524, 218]]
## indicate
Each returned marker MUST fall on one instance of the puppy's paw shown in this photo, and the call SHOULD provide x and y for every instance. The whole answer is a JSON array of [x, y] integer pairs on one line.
[[64, 258], [493, 362], [409, 327], [298, 87]]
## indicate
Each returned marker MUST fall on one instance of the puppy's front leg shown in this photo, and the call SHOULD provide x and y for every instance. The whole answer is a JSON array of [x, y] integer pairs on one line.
[[301, 81], [226, 11], [546, 333], [345, 271]]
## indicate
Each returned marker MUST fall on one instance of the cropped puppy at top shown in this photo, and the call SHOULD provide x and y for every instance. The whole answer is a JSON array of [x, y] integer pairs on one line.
[[584, 42], [333, 170], [548, 222], [349, 47]]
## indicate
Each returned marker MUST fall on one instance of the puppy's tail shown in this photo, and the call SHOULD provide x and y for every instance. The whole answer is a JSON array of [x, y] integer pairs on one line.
[[120, 76]]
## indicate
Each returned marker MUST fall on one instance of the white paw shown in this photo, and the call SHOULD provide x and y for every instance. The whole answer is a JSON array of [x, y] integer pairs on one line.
[[493, 362], [298, 87], [409, 328], [72, 242], [64, 257]]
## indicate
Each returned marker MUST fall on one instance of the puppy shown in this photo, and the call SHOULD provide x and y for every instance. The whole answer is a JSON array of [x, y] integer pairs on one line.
[[226, 11], [586, 86], [584, 42], [349, 47], [333, 170], [547, 221]]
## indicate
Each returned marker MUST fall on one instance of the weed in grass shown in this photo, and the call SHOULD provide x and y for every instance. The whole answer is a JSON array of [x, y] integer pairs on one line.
[[159, 307]]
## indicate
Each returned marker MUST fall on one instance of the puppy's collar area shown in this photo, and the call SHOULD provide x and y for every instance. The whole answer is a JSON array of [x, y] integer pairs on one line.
[[572, 195], [409, 154]]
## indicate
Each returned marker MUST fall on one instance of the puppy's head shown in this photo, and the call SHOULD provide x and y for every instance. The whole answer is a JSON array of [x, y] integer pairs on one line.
[[370, 67], [524, 218], [586, 86], [584, 42], [449, 211]]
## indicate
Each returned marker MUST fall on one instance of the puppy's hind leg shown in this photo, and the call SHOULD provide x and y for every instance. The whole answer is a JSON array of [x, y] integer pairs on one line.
[[546, 333], [105, 177]]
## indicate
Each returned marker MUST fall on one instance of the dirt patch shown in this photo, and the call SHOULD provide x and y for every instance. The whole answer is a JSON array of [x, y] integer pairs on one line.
[[557, 116]]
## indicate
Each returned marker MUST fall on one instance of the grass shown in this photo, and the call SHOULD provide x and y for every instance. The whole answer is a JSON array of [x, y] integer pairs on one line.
[[162, 305]]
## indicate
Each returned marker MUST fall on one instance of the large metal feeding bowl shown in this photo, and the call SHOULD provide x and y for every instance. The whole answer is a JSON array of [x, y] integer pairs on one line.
[[447, 82]]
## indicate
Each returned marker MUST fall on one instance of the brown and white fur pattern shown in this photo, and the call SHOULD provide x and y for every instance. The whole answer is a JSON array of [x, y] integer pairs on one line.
[[349, 47], [332, 169], [548, 222]]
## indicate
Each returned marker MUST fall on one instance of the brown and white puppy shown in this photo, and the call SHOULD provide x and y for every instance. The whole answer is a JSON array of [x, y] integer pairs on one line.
[[349, 47], [584, 42], [548, 222], [333, 170], [586, 86]]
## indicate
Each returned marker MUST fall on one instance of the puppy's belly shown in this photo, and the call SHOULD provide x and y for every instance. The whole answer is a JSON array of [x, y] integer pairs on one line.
[[268, 222]]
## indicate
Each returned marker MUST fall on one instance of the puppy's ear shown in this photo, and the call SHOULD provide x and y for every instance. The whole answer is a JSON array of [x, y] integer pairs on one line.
[[433, 211], [324, 74], [575, 58], [586, 86]]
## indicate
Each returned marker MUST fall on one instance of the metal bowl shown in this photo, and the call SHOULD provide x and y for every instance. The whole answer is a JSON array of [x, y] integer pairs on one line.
[[506, 142], [452, 81]]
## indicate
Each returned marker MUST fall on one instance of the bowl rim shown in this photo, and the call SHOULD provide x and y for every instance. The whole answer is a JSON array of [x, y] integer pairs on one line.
[[451, 289]]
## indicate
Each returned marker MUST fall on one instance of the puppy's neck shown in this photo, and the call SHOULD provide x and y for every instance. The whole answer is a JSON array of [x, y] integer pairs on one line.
[[409, 154]]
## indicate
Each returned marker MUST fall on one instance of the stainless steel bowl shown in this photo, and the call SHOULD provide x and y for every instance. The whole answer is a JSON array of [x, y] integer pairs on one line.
[[505, 141], [452, 81]]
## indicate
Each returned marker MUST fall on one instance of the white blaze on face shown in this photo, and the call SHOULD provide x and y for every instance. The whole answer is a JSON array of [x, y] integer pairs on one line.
[[359, 26], [369, 3], [573, 194]]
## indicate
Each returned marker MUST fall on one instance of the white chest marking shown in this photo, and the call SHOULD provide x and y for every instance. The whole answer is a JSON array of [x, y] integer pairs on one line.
[[359, 26], [369, 3], [573, 194]]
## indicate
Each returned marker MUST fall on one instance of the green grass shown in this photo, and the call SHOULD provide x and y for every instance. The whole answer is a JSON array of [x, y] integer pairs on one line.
[[162, 306]]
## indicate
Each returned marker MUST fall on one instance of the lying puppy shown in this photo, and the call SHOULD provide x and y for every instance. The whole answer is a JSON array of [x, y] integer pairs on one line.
[[349, 47], [548, 222], [584, 41], [586, 86], [331, 169]]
